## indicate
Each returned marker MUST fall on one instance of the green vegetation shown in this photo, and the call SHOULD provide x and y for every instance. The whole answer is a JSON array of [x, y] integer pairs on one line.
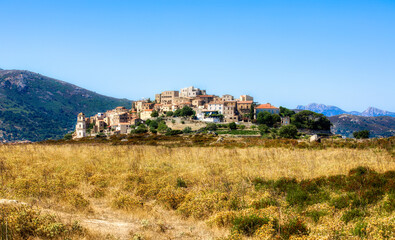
[[361, 134]]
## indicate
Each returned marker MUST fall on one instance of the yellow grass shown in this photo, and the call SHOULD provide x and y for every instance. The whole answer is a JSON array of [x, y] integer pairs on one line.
[[128, 187]]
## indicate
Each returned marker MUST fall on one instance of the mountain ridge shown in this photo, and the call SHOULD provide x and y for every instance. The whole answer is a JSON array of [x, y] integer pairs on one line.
[[329, 110], [36, 107]]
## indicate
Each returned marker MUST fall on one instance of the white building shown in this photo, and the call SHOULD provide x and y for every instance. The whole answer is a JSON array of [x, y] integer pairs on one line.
[[191, 92], [80, 128], [216, 106]]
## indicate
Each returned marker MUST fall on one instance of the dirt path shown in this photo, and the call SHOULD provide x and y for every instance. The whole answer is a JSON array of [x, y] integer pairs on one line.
[[157, 223]]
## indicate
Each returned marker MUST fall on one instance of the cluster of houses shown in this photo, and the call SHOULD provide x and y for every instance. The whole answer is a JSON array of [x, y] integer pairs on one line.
[[208, 108]]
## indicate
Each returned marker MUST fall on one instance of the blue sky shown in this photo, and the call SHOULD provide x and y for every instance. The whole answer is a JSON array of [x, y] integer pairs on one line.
[[284, 52]]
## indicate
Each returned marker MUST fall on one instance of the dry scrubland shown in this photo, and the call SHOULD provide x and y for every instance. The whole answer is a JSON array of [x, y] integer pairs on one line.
[[156, 192]]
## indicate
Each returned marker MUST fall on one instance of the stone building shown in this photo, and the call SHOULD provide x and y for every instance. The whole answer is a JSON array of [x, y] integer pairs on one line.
[[244, 98], [267, 108], [191, 92], [80, 128]]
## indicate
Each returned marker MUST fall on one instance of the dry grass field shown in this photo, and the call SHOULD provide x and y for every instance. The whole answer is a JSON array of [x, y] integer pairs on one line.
[[155, 192]]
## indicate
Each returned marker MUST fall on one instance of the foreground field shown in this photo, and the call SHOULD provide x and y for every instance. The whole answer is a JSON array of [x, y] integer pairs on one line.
[[155, 192]]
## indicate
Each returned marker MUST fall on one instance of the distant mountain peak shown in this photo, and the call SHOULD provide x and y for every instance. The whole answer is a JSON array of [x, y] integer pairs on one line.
[[329, 110]]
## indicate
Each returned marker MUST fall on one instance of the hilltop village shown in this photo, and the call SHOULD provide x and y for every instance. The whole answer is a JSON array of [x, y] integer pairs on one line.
[[190, 102]]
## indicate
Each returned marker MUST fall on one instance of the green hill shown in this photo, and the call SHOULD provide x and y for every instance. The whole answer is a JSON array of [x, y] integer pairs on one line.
[[35, 107]]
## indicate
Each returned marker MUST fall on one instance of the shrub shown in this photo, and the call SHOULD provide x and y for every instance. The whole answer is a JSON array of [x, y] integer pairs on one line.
[[298, 196], [211, 127], [24, 222], [187, 130], [126, 202], [232, 126], [169, 114], [294, 227], [264, 203], [389, 203], [77, 200], [249, 224], [360, 229], [289, 131], [171, 132], [181, 183], [352, 214], [361, 134], [340, 202], [315, 215]]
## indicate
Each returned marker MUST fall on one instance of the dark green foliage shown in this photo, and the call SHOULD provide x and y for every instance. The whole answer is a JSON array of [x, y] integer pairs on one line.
[[289, 131], [263, 129], [340, 202], [361, 134], [310, 120], [294, 227], [232, 126], [211, 127], [268, 119], [352, 214], [154, 114], [184, 112], [181, 183], [187, 130], [249, 224], [171, 132], [140, 129], [315, 215], [169, 114], [285, 112], [68, 136]]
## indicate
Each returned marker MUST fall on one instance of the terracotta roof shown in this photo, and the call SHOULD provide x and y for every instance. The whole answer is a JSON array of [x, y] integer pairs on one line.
[[266, 106], [149, 110], [250, 102]]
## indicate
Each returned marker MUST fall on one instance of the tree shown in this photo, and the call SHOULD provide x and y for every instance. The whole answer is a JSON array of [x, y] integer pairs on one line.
[[285, 112], [154, 114], [252, 112], [162, 127], [169, 113], [289, 131], [211, 127], [361, 134], [187, 111], [310, 120], [268, 119], [187, 130], [263, 129], [232, 126]]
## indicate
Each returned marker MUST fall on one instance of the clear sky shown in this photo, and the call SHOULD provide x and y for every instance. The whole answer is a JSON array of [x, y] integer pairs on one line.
[[288, 53]]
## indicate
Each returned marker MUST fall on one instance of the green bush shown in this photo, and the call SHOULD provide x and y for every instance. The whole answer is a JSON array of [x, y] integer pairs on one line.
[[315, 215], [187, 130], [361, 134], [289, 131], [232, 126], [360, 229], [352, 214], [264, 203], [249, 224], [294, 227], [181, 183]]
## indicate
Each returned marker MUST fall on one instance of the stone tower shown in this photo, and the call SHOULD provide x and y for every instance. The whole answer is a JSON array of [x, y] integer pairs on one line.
[[80, 128]]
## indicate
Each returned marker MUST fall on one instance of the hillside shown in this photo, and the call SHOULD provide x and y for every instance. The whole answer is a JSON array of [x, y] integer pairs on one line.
[[329, 111], [346, 124], [35, 107]]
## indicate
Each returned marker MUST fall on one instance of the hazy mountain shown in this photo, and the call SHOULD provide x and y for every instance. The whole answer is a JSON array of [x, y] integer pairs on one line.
[[333, 111], [375, 112], [346, 124], [35, 107], [321, 108]]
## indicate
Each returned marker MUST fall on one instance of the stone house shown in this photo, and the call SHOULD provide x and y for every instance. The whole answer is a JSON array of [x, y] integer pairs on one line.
[[267, 108]]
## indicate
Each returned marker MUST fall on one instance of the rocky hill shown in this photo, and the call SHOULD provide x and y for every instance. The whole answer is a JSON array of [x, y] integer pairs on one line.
[[329, 111], [346, 124], [35, 107]]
